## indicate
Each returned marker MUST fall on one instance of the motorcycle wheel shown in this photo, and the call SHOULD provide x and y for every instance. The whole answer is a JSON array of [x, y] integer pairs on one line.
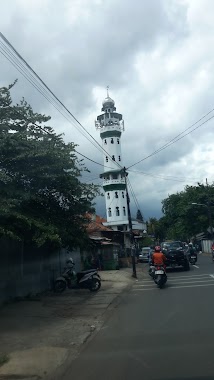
[[162, 283], [95, 285], [59, 286]]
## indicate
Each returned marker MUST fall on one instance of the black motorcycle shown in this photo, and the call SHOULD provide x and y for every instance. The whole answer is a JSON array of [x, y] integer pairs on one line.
[[160, 277], [88, 279]]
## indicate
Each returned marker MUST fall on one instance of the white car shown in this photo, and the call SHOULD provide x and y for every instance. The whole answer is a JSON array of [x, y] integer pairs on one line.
[[144, 255]]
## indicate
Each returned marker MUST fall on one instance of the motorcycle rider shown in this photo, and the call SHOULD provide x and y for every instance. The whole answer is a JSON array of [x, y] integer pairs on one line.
[[158, 258], [192, 251]]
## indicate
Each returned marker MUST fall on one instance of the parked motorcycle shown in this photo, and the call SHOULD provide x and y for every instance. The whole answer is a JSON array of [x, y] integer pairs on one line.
[[88, 279], [212, 250], [160, 277]]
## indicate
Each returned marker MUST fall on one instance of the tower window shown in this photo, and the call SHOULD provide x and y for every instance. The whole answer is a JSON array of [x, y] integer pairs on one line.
[[106, 159], [117, 211], [124, 211], [109, 110], [119, 158], [122, 194], [105, 141], [113, 158], [114, 176], [112, 141], [108, 195], [118, 141], [109, 211], [116, 194]]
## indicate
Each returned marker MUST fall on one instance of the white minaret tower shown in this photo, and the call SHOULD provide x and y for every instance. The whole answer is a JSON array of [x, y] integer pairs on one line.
[[111, 126]]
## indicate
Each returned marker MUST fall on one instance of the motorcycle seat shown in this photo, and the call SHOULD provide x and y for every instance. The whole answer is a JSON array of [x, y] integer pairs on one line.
[[88, 271]]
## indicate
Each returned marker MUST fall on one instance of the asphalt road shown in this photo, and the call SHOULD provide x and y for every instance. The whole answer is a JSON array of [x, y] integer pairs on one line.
[[156, 333]]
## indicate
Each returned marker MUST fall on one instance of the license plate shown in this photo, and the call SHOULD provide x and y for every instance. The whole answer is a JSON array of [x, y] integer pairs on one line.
[[159, 272], [193, 257]]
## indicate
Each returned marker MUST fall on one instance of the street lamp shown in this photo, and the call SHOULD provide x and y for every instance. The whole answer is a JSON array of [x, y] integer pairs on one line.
[[208, 206]]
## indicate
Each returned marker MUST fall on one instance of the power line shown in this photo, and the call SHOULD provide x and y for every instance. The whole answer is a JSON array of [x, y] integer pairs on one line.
[[168, 178], [92, 160], [41, 90], [175, 139], [133, 195], [49, 90]]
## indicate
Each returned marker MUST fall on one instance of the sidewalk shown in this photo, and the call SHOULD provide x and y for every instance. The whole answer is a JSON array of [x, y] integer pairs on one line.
[[38, 335]]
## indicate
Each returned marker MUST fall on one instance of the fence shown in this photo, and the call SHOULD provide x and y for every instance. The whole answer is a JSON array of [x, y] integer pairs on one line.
[[26, 270]]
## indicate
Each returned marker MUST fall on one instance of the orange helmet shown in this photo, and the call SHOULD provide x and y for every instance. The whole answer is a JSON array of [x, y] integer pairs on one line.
[[157, 248]]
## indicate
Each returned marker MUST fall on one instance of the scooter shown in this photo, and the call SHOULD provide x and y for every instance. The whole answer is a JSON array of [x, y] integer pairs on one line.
[[160, 277], [88, 279]]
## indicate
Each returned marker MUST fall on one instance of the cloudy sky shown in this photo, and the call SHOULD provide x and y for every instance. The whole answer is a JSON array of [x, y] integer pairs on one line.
[[157, 57]]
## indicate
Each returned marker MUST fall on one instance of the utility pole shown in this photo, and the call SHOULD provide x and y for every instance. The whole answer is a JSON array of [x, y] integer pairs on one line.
[[134, 273], [209, 213]]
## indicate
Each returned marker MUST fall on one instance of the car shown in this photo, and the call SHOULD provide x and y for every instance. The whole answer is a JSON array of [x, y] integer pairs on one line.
[[176, 254], [144, 255]]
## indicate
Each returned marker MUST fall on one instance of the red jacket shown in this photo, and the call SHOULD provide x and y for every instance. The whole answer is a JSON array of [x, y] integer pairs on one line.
[[158, 258]]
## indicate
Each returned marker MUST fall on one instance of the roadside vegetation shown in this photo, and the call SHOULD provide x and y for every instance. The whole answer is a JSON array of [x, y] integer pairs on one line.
[[42, 197]]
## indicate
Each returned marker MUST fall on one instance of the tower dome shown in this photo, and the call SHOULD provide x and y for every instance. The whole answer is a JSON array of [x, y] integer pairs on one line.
[[107, 102]]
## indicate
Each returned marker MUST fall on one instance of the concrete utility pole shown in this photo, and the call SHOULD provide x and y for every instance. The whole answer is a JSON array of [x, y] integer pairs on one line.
[[209, 213], [134, 273]]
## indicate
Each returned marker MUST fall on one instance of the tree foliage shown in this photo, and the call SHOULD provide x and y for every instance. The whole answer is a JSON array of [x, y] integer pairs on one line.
[[139, 216], [42, 199], [184, 220], [157, 228]]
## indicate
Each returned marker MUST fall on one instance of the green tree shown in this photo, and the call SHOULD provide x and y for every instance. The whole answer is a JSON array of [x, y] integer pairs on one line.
[[42, 199], [157, 228], [183, 219], [139, 216]]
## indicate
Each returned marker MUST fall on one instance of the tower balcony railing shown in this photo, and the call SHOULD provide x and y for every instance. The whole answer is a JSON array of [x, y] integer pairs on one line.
[[110, 126], [113, 181]]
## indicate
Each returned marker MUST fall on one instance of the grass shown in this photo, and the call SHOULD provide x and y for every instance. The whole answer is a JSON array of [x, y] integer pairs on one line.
[[3, 359]]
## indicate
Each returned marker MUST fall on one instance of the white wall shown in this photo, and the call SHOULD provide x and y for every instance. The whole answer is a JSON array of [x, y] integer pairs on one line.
[[206, 246]]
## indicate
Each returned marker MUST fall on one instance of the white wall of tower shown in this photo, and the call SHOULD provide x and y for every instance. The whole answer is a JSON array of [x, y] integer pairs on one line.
[[116, 205], [113, 157]]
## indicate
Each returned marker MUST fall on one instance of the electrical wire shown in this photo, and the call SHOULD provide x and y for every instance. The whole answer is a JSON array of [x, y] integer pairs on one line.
[[46, 87], [40, 89], [92, 160], [168, 178], [175, 139], [133, 195]]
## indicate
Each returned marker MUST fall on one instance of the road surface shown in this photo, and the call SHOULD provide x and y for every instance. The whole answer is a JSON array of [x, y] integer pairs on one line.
[[156, 334]]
